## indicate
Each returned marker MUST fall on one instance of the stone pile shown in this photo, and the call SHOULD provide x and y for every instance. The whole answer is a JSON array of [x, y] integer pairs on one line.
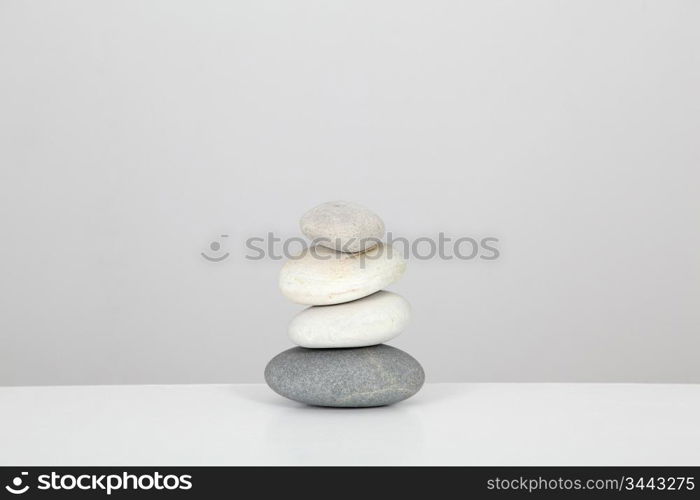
[[341, 360]]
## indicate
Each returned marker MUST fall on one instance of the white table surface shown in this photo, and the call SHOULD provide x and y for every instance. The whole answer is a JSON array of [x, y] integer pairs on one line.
[[478, 424]]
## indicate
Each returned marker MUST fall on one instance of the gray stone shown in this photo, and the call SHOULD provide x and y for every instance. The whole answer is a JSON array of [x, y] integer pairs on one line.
[[366, 376]]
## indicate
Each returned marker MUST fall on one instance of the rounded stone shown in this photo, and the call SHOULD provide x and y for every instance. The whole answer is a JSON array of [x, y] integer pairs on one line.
[[342, 226], [321, 276], [363, 322], [366, 376]]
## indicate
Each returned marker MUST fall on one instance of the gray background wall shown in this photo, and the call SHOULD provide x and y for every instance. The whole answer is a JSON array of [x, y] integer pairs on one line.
[[134, 133]]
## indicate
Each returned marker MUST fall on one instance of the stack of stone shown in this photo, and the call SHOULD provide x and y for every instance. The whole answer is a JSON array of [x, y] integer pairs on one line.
[[342, 360]]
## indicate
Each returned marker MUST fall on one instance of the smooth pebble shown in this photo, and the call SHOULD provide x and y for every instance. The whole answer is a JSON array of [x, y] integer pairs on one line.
[[342, 226], [363, 322], [362, 377], [321, 276]]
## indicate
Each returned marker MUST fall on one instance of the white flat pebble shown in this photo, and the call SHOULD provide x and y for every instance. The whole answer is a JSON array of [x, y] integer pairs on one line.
[[368, 321], [342, 226], [321, 276]]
